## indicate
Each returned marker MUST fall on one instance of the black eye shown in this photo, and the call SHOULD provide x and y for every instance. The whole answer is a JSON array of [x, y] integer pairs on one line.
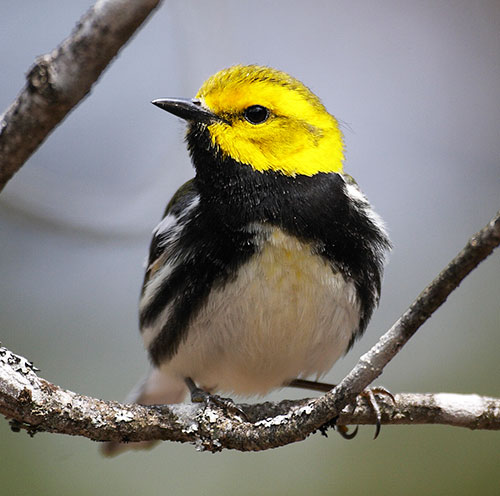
[[256, 114]]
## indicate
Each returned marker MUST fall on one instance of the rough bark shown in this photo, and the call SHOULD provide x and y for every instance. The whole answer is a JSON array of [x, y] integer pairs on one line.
[[58, 81]]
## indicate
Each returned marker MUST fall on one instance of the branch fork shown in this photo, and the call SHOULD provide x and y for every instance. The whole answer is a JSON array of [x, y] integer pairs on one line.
[[56, 84]]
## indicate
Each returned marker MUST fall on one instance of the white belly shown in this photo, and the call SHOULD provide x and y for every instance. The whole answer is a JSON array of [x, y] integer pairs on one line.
[[286, 315]]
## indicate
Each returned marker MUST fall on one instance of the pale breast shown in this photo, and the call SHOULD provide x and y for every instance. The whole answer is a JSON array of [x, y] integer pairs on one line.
[[286, 315]]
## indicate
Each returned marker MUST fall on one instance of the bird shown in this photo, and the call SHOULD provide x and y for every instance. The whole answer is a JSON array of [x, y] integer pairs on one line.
[[267, 265]]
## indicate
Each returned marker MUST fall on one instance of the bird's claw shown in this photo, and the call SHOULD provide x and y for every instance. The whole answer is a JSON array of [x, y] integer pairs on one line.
[[343, 430], [228, 405], [199, 395], [369, 395]]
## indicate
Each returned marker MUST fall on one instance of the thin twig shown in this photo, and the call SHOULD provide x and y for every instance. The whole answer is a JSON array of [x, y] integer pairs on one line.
[[58, 81], [35, 404], [370, 365]]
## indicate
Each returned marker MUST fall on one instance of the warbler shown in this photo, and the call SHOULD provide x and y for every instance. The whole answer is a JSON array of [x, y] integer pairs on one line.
[[267, 265]]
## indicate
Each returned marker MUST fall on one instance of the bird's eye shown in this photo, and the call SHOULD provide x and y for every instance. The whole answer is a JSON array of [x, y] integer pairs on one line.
[[256, 114]]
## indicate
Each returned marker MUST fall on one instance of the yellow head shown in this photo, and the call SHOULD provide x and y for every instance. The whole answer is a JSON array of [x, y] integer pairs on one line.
[[271, 121]]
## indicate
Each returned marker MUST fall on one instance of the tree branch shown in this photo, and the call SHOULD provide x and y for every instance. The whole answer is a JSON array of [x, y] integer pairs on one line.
[[36, 404], [59, 80]]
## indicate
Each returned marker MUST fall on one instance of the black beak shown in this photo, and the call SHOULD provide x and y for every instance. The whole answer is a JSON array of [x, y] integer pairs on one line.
[[190, 110]]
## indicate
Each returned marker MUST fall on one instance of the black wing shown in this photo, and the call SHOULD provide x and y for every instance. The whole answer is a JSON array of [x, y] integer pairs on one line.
[[167, 228]]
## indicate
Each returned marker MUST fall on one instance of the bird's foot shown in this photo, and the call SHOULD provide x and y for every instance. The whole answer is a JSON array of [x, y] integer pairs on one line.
[[369, 394], [199, 395]]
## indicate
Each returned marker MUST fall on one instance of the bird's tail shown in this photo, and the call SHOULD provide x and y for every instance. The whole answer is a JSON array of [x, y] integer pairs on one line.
[[156, 388]]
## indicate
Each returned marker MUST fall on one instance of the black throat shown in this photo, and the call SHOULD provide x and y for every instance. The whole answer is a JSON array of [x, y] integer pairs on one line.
[[240, 194]]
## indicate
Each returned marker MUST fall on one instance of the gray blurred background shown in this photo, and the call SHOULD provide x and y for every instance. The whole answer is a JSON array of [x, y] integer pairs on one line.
[[416, 86]]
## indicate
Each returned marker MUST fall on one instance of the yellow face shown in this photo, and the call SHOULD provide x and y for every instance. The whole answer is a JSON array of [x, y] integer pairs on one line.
[[272, 122]]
